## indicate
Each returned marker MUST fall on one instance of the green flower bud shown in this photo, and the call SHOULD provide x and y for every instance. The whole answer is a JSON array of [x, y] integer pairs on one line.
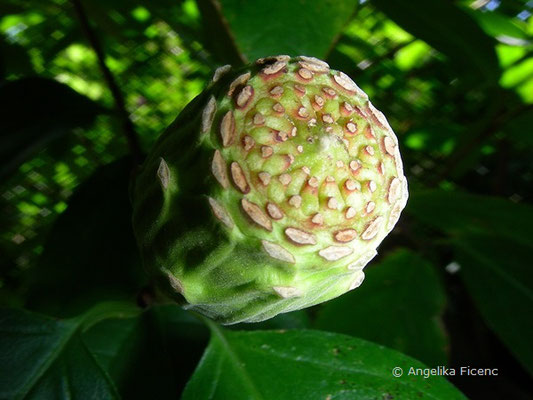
[[270, 192]]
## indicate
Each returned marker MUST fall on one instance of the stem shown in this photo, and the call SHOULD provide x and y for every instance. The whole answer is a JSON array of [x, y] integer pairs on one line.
[[120, 105], [106, 310]]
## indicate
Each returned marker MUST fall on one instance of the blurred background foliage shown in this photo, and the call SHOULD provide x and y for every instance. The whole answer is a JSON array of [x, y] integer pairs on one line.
[[455, 79]]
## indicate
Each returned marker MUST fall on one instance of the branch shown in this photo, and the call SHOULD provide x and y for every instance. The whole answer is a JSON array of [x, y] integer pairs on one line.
[[120, 105], [476, 140]]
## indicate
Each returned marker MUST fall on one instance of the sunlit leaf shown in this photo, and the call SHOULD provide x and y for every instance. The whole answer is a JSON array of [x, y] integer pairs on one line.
[[508, 55], [520, 78], [517, 74], [412, 55]]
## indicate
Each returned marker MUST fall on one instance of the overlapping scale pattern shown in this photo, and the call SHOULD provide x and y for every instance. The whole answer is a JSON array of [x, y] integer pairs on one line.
[[301, 174]]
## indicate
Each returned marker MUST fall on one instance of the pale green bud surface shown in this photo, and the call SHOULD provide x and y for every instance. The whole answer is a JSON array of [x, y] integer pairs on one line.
[[270, 192]]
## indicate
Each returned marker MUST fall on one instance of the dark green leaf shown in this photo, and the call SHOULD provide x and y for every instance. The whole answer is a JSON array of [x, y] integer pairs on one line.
[[8, 7], [518, 130], [398, 305], [497, 272], [263, 28], [453, 33], [35, 111], [13, 60], [306, 365], [434, 138], [42, 358], [456, 213], [151, 355], [90, 254], [493, 241], [216, 35], [111, 341]]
